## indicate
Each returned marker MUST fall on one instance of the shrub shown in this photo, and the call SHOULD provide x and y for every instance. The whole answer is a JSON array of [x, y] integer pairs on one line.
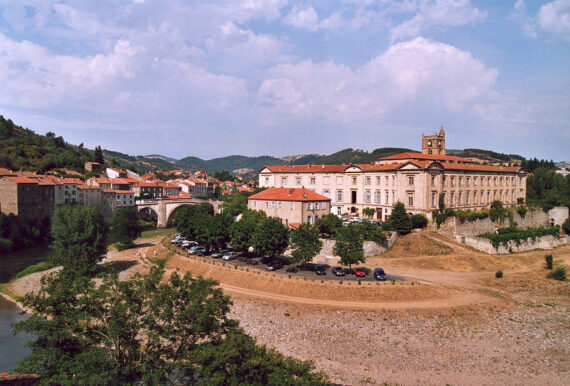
[[41, 266], [559, 273], [521, 210], [499, 274], [419, 221], [548, 260], [566, 226]]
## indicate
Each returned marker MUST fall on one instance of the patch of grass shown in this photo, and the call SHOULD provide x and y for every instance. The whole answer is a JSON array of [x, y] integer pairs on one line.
[[157, 232], [558, 273], [41, 266]]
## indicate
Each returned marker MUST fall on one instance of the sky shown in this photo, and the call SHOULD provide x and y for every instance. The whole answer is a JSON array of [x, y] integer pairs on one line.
[[281, 77]]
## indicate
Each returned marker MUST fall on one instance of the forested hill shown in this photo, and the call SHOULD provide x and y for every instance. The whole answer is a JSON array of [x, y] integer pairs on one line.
[[22, 149], [26, 150]]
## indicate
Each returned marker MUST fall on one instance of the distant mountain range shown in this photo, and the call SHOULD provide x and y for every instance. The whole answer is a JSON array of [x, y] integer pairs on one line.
[[26, 150]]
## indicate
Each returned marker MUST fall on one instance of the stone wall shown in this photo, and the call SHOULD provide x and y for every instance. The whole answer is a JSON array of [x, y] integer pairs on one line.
[[370, 248], [453, 227], [484, 245]]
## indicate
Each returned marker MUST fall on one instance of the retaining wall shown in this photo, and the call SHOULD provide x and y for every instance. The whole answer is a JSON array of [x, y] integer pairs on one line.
[[484, 245]]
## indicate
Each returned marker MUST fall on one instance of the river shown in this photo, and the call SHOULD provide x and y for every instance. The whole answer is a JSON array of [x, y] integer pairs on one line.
[[13, 347]]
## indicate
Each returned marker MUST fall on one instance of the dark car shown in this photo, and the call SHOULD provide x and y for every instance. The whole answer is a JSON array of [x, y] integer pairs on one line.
[[379, 274], [274, 265], [338, 271], [359, 272], [218, 254], [321, 269]]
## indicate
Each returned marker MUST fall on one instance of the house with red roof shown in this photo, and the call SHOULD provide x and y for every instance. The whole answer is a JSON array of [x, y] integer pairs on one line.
[[28, 198], [415, 179], [291, 205]]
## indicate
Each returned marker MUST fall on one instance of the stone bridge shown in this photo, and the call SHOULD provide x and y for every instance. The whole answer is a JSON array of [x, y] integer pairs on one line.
[[166, 209]]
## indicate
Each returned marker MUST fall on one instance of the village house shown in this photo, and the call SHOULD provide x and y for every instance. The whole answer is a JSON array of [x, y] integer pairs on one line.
[[293, 206]]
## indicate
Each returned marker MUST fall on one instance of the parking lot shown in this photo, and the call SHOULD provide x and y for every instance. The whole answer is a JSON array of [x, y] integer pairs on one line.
[[304, 270]]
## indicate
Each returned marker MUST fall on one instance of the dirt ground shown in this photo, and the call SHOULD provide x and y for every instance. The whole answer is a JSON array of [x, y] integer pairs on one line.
[[450, 322]]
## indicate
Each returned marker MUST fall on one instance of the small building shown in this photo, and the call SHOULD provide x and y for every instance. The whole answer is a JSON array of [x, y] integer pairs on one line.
[[291, 205]]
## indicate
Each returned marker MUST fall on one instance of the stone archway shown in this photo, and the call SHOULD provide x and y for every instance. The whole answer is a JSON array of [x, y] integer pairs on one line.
[[173, 212], [148, 214]]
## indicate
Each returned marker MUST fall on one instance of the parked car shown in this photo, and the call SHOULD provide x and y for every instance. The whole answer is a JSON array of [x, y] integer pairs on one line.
[[187, 243], [321, 269], [197, 249], [338, 271], [231, 255], [379, 274], [359, 272], [274, 265], [219, 253]]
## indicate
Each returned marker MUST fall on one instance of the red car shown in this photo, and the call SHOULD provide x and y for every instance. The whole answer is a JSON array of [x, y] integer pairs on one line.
[[359, 272]]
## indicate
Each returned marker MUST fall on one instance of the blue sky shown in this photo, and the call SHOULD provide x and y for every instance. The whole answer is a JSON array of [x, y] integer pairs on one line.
[[281, 77]]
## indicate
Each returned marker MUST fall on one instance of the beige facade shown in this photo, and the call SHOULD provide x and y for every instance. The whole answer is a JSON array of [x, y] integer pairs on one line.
[[414, 179], [26, 198], [292, 206]]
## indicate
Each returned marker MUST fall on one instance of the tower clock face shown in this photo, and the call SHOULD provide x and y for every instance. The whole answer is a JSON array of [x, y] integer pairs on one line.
[[429, 143]]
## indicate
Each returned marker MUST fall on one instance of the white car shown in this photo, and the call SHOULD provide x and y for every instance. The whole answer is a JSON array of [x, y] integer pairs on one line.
[[231, 255]]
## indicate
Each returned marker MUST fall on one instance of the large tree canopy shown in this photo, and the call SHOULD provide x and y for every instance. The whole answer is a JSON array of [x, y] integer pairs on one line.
[[79, 234], [305, 243], [146, 331]]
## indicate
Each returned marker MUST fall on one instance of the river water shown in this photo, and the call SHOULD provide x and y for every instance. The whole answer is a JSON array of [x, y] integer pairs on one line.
[[13, 347]]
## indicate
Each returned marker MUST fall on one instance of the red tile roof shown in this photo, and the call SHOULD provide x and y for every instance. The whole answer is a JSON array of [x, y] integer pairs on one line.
[[6, 172], [307, 168], [420, 156], [294, 225], [482, 168], [289, 194], [21, 180]]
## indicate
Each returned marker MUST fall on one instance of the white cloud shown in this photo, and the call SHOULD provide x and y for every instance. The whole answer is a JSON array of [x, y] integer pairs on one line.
[[554, 17], [307, 18], [430, 13], [416, 73]]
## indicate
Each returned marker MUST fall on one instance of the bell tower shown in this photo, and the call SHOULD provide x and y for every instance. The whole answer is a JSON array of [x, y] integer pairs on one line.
[[434, 144]]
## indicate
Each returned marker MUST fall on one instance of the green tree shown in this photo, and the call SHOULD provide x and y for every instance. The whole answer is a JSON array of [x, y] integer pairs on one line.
[[271, 238], [400, 219], [219, 230], [419, 221], [193, 221], [306, 243], [368, 212], [566, 226], [126, 227], [98, 156], [234, 204], [146, 330], [241, 232], [328, 225], [78, 234], [348, 247]]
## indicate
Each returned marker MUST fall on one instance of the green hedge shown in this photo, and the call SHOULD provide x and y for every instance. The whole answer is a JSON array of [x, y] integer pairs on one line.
[[512, 233]]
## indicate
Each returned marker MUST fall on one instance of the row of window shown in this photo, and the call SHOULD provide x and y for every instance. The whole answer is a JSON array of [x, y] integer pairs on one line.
[[478, 180], [339, 180], [477, 197]]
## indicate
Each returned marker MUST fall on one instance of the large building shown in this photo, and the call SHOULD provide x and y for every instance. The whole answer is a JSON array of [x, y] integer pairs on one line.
[[415, 179], [293, 206]]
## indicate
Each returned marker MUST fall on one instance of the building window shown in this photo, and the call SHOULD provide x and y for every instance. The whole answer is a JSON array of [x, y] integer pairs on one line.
[[367, 196], [326, 180], [283, 180], [323, 205], [386, 202], [377, 180], [292, 206], [326, 193], [452, 199], [339, 180], [377, 197], [433, 199], [310, 206], [460, 181], [410, 199], [310, 219], [387, 180], [339, 210], [367, 181], [354, 180], [459, 198], [339, 195], [467, 198], [410, 180], [433, 180], [266, 180], [298, 180], [312, 180]]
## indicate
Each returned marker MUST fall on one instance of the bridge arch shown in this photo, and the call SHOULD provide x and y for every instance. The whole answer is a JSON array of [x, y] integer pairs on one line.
[[148, 214], [173, 209]]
